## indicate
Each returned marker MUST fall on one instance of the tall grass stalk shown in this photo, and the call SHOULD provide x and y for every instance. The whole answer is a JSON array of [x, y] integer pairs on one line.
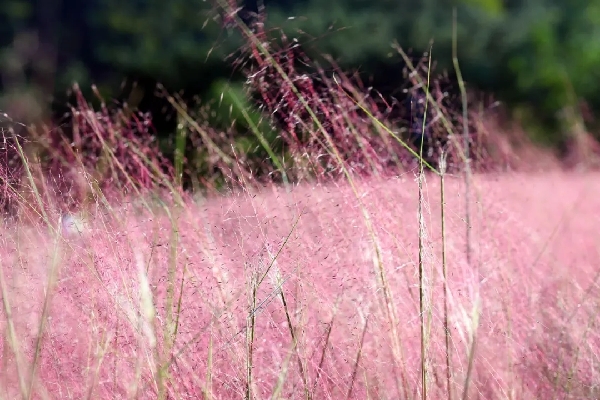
[[465, 122], [445, 276], [250, 331], [422, 277]]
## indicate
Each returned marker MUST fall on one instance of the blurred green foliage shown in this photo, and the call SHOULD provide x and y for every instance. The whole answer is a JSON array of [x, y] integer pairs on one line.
[[538, 56]]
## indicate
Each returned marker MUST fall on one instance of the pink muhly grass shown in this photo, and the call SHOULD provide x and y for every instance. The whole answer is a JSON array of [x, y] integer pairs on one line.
[[308, 291], [536, 333]]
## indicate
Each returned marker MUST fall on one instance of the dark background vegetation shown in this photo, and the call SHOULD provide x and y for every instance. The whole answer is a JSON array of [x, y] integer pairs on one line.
[[541, 58]]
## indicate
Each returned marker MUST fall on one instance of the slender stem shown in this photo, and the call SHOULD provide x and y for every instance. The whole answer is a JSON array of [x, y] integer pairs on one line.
[[445, 276], [465, 121], [421, 251]]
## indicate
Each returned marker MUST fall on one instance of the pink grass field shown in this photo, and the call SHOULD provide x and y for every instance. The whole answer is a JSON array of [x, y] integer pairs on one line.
[[529, 299]]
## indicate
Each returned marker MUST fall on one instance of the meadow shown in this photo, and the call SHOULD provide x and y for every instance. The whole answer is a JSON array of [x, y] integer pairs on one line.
[[345, 266]]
